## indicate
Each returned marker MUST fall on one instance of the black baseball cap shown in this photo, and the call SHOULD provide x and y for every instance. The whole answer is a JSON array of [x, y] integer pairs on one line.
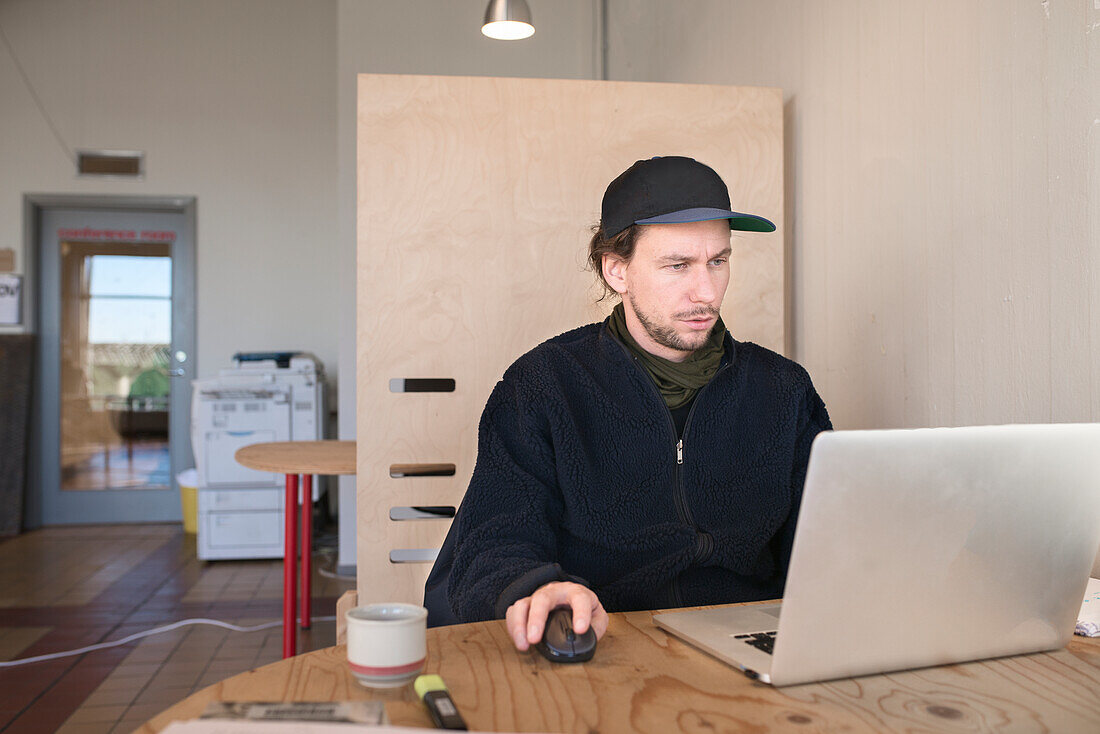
[[671, 190]]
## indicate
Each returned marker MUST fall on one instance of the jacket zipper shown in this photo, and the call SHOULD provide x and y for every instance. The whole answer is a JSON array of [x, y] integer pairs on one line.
[[678, 443], [679, 498], [705, 547]]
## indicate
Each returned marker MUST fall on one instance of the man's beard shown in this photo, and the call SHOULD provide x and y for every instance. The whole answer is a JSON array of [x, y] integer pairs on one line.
[[667, 336]]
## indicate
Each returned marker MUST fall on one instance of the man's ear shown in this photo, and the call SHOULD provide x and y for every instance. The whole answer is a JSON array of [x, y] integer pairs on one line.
[[614, 272]]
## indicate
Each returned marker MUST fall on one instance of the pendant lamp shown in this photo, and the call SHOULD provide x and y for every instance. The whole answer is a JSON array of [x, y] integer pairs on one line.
[[507, 20]]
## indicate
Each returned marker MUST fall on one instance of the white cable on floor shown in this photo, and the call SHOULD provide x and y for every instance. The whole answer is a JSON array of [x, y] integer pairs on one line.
[[149, 633]]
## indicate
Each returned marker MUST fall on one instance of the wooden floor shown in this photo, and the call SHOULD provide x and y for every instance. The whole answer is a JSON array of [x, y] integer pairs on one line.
[[64, 588]]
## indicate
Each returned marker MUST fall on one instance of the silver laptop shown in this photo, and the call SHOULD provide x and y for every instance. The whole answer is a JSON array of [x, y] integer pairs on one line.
[[923, 547]]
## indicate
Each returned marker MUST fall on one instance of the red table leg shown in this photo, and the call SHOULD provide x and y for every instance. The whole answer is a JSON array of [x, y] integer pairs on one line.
[[307, 547], [290, 559]]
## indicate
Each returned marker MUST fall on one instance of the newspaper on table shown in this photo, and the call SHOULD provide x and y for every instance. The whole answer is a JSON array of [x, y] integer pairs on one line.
[[1088, 619], [258, 726], [347, 712]]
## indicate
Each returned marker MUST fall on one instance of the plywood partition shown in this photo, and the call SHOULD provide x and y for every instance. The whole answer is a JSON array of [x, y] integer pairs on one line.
[[475, 200]]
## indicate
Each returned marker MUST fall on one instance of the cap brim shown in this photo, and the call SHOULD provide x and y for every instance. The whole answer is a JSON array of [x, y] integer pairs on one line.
[[738, 221]]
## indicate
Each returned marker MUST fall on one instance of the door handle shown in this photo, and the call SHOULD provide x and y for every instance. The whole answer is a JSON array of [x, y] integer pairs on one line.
[[181, 357]]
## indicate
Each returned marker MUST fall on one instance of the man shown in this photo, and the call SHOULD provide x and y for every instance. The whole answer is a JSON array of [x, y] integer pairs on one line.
[[648, 461]]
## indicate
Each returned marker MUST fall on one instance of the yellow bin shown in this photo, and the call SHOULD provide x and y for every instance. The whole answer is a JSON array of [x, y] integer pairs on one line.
[[189, 499]]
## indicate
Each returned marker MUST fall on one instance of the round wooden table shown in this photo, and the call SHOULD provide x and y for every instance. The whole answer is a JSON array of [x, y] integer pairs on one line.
[[644, 680], [294, 458]]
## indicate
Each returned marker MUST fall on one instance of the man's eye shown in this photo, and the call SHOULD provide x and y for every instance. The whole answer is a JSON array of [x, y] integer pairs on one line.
[[718, 262], [677, 266]]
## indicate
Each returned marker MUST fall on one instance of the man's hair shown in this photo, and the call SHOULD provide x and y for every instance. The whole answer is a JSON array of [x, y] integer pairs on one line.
[[621, 245]]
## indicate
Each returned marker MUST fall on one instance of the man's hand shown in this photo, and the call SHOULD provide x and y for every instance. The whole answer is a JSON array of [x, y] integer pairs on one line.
[[527, 617]]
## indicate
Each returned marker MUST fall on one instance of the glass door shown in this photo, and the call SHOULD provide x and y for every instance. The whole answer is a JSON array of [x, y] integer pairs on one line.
[[115, 303]]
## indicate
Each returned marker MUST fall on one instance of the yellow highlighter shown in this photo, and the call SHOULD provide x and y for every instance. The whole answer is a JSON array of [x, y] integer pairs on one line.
[[433, 692]]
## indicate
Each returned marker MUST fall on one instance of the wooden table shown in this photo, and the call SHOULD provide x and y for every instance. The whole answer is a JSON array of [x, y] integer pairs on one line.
[[294, 458], [644, 680]]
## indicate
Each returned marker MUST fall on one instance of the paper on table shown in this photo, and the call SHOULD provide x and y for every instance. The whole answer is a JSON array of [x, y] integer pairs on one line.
[[227, 726], [349, 712], [1088, 619], [239, 726]]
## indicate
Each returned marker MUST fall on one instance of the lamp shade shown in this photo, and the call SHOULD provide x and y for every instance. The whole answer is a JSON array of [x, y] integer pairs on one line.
[[508, 20]]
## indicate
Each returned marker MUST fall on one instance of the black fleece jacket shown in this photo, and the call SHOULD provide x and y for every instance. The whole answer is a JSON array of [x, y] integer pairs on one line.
[[580, 476]]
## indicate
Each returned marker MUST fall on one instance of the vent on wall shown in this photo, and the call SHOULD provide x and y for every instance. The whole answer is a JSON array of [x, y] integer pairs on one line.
[[125, 163]]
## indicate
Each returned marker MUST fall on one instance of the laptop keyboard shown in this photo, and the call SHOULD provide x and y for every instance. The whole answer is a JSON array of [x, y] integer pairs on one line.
[[760, 640]]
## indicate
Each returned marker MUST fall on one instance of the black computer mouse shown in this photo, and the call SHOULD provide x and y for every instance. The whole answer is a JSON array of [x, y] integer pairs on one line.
[[560, 644]]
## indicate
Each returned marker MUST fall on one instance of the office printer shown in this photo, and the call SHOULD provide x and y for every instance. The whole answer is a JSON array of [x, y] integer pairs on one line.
[[264, 396]]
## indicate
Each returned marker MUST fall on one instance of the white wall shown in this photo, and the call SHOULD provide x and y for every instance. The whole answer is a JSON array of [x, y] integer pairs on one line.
[[943, 166], [943, 176], [430, 37], [239, 103], [233, 102]]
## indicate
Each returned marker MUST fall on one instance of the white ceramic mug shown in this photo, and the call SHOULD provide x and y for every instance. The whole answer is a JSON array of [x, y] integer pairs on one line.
[[387, 643]]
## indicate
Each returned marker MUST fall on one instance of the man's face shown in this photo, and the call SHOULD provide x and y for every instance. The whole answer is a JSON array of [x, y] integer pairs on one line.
[[673, 286]]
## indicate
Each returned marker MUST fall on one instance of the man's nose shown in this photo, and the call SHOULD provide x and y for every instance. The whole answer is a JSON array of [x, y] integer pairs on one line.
[[703, 289]]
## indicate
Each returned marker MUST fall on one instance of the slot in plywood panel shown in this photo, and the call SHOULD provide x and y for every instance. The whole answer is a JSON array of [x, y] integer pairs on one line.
[[475, 200]]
